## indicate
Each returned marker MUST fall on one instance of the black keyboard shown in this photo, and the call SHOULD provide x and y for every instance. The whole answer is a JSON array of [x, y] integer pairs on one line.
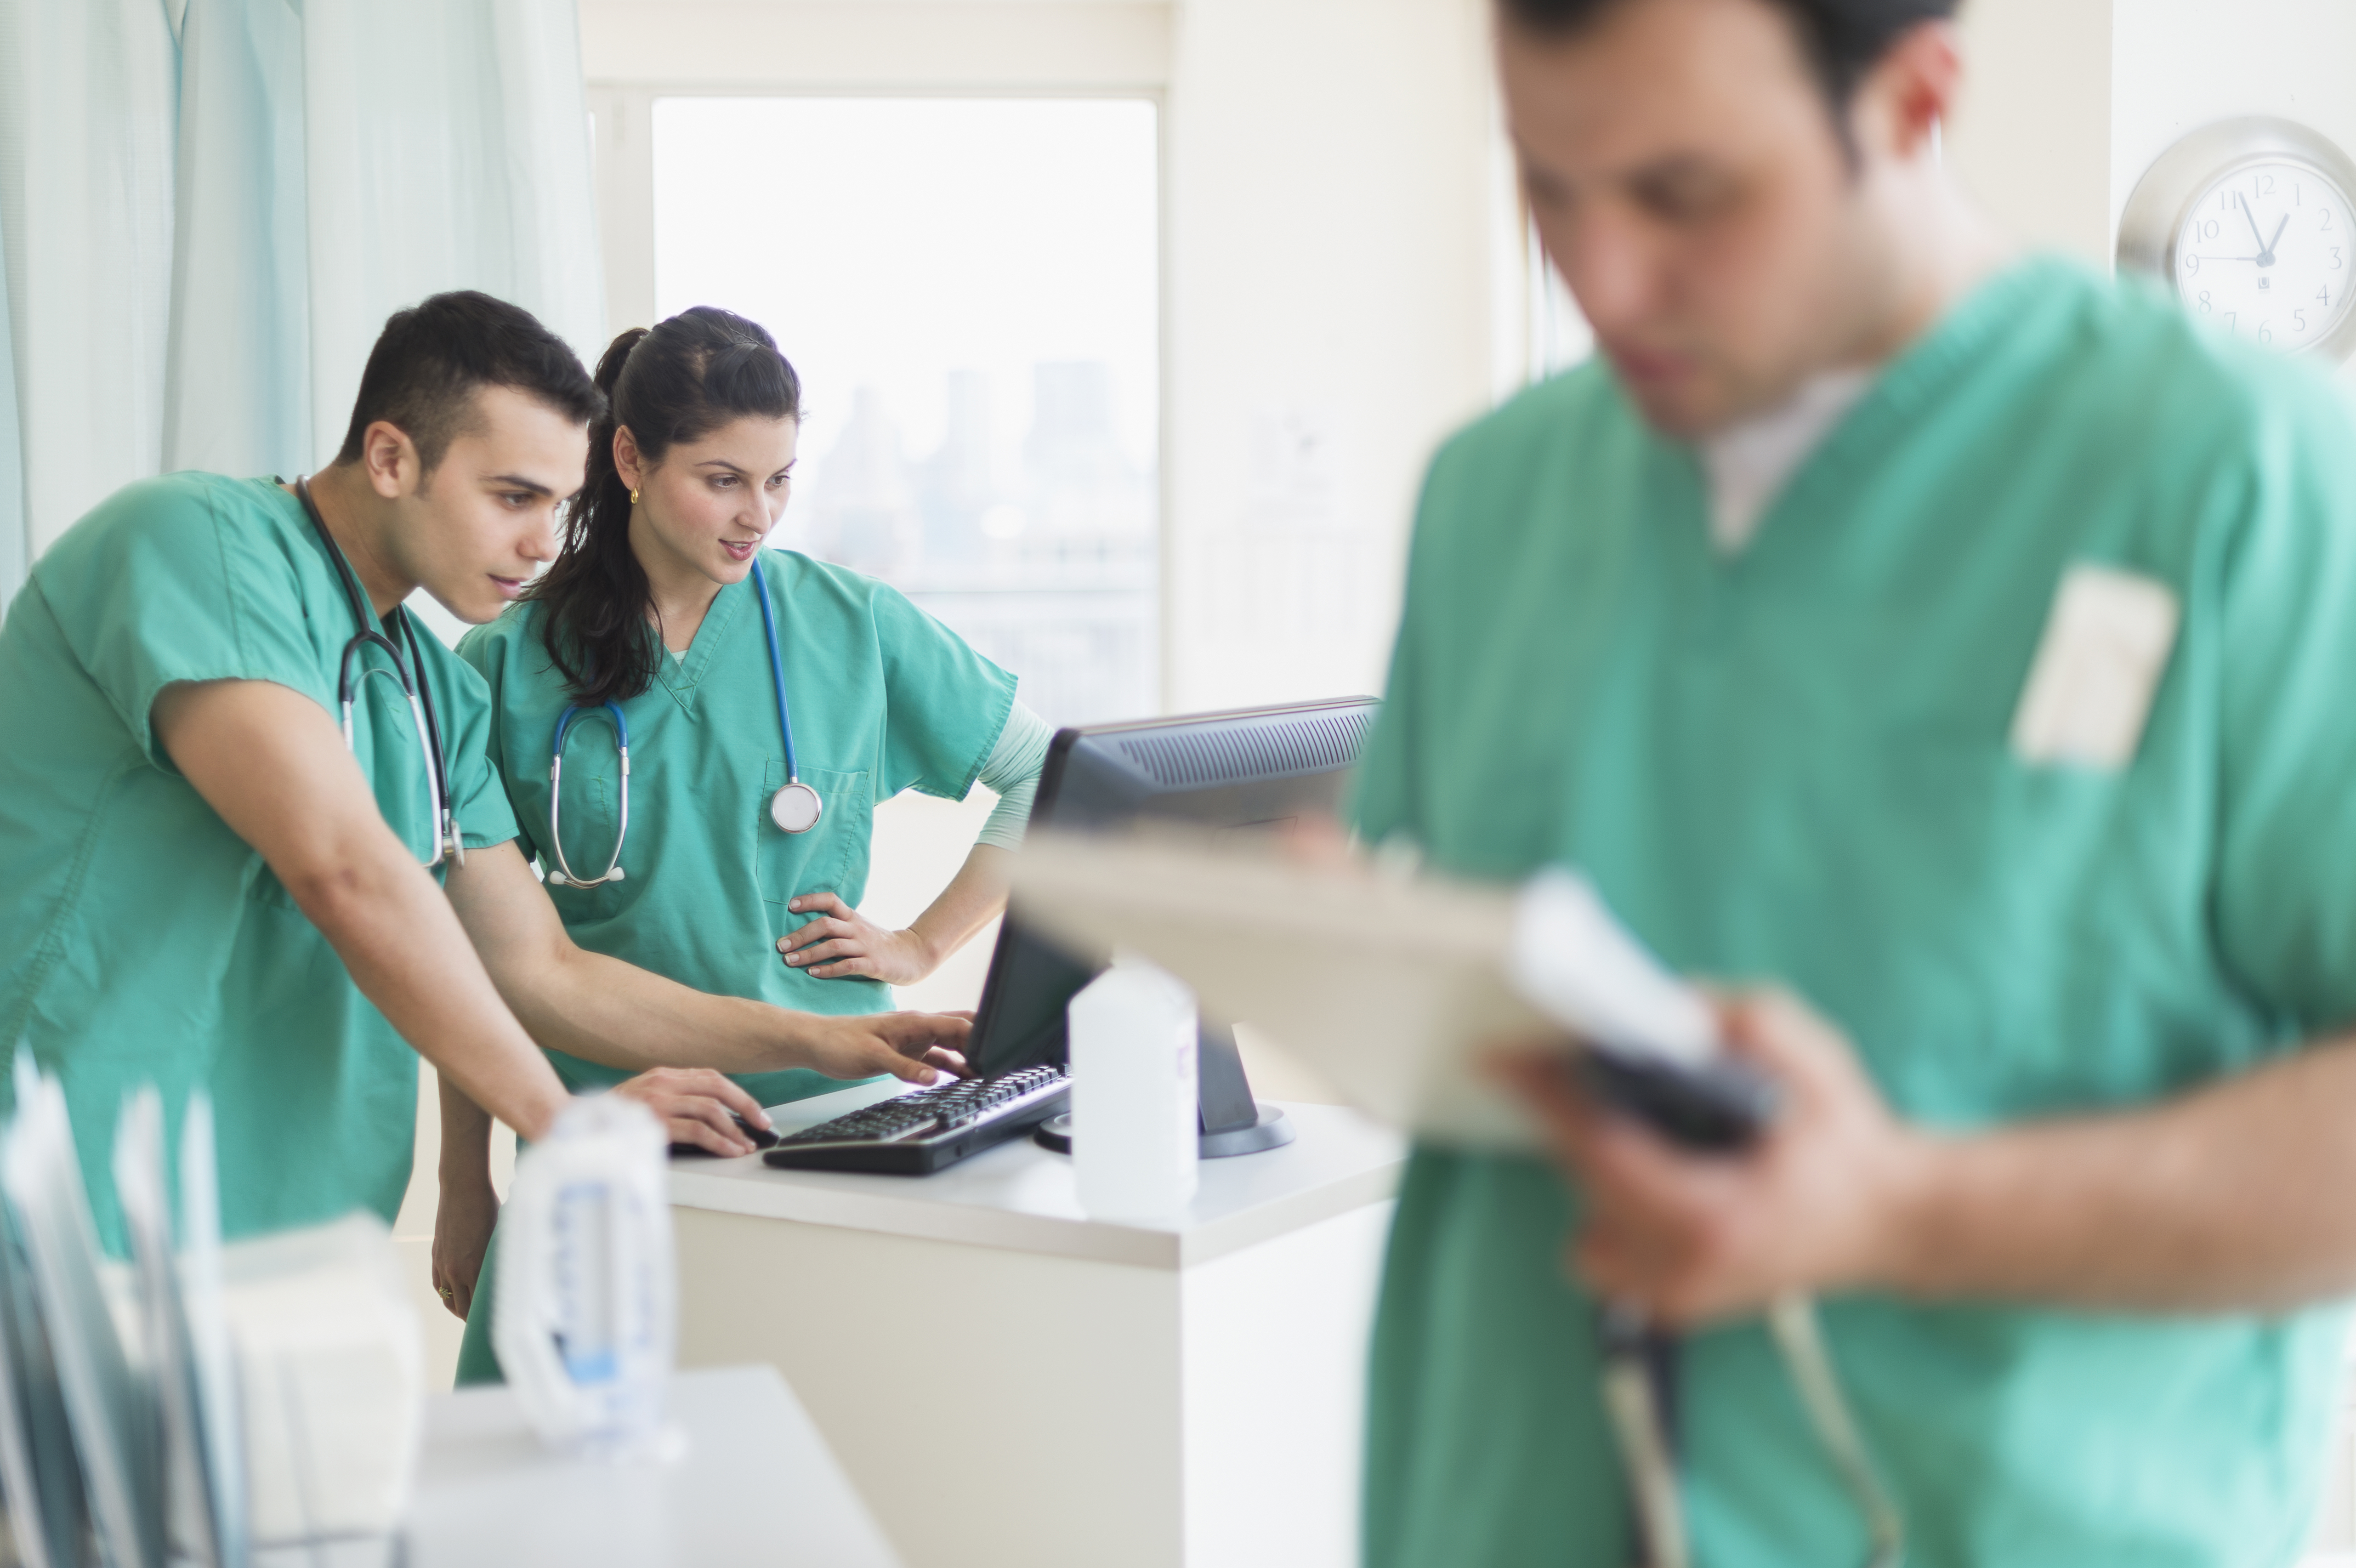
[[921, 1131]]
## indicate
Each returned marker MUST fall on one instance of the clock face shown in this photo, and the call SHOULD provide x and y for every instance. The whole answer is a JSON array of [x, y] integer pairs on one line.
[[2265, 253]]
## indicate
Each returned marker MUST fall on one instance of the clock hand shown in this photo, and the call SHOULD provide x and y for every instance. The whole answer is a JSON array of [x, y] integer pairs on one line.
[[2251, 218], [2267, 256]]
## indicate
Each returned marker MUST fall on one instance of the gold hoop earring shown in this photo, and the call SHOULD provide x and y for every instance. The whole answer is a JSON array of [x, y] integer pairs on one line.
[[634, 498]]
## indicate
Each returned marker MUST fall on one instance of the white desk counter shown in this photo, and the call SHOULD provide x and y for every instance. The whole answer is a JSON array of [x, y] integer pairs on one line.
[[1019, 1197], [1010, 1382], [757, 1486]]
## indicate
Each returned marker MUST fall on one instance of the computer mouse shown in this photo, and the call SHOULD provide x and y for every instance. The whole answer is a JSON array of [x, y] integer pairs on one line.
[[763, 1137]]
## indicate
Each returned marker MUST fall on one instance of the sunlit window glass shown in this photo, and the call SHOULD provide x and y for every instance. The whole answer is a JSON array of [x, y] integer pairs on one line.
[[969, 289]]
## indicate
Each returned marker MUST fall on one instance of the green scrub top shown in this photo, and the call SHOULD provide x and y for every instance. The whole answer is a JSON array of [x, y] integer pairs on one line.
[[1793, 763], [140, 939], [883, 697]]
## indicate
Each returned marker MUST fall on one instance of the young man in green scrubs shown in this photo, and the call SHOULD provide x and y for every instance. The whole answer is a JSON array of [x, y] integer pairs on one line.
[[207, 889], [1961, 644]]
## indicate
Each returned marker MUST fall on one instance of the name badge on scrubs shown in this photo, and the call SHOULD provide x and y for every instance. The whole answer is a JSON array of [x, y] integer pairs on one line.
[[2098, 665]]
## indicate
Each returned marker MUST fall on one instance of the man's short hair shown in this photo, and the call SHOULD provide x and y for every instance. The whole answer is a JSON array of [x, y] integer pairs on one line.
[[430, 360], [1843, 39]]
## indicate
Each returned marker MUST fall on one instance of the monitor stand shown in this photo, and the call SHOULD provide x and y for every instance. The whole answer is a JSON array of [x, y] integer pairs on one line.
[[1233, 1121]]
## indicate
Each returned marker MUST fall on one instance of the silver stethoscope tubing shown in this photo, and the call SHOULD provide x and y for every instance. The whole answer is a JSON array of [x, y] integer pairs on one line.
[[795, 808], [447, 839], [1635, 1399], [564, 875]]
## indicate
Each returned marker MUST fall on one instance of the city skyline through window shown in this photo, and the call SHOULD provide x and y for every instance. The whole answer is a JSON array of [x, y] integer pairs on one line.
[[969, 288]]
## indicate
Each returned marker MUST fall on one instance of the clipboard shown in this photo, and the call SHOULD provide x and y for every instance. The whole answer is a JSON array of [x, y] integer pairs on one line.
[[1397, 987]]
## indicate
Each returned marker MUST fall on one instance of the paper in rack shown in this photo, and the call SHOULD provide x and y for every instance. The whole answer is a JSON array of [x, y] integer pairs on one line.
[[109, 1406], [196, 1397], [48, 1510]]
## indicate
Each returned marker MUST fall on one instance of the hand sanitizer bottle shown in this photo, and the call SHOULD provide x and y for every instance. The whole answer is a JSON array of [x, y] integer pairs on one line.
[[1135, 1121], [586, 1303]]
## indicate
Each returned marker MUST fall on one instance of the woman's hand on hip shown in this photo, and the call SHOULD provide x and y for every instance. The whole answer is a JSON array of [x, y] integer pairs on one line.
[[693, 1105], [840, 942], [462, 1223], [916, 1046]]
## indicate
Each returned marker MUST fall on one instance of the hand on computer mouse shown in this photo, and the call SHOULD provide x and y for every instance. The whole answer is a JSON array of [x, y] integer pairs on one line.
[[760, 1138], [698, 1106]]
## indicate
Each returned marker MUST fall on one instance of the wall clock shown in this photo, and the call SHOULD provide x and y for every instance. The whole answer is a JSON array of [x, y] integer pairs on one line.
[[2249, 222]]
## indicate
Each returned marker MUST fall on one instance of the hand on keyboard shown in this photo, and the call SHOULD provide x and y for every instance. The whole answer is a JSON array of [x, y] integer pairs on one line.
[[917, 1046]]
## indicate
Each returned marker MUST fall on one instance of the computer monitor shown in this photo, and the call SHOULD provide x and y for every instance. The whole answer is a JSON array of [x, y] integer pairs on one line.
[[1257, 769]]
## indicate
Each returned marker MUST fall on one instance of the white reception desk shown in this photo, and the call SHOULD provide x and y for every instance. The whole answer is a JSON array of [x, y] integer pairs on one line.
[[1009, 1382]]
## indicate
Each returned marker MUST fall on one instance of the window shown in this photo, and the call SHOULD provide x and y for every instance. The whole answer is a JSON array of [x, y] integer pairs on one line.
[[969, 288]]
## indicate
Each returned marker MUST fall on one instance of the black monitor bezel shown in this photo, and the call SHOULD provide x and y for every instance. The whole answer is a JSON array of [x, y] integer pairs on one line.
[[1032, 1051]]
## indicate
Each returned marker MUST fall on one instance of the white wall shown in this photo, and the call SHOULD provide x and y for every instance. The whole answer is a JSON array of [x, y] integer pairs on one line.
[[1331, 318], [2033, 137]]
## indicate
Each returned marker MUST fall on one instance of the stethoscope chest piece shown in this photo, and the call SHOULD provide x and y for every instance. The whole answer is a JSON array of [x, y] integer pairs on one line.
[[796, 808]]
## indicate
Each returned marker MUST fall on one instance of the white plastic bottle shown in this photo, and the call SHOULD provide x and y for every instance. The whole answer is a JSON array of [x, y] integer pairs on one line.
[[585, 1316], [1135, 1120]]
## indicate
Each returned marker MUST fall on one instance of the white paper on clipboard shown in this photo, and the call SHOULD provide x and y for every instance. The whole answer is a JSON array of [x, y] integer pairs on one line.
[[1393, 989]]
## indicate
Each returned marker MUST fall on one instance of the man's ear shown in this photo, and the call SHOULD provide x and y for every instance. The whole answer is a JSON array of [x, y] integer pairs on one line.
[[1905, 99], [390, 459]]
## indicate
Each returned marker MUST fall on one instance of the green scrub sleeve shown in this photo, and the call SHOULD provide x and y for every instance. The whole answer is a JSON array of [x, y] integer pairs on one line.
[[1012, 770], [2285, 895], [947, 704], [479, 649], [172, 593], [1382, 803]]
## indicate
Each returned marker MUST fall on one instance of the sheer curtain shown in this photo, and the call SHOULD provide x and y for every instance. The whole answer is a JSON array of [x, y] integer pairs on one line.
[[208, 208]]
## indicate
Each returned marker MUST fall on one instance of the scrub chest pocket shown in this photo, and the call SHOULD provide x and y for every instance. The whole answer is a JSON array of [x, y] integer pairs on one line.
[[829, 858], [1993, 879]]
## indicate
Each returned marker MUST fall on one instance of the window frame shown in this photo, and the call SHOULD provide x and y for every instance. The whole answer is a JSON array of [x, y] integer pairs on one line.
[[622, 114]]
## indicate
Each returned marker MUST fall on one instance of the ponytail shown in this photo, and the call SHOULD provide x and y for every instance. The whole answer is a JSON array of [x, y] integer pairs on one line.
[[679, 381]]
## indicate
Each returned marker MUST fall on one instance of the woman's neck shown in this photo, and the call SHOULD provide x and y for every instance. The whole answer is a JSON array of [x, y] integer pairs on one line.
[[677, 598]]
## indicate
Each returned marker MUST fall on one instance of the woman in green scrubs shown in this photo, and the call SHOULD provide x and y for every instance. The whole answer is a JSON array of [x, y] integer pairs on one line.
[[655, 607]]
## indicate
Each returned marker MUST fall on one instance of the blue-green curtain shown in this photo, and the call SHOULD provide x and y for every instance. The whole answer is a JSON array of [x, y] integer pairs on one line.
[[14, 546], [237, 353], [89, 91], [208, 208]]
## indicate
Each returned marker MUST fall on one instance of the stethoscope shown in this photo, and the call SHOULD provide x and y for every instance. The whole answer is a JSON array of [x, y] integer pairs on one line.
[[1638, 1364], [446, 841], [795, 808]]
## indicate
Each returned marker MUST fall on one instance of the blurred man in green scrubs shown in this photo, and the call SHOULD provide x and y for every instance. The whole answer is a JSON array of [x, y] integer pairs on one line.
[[206, 887], [1961, 646]]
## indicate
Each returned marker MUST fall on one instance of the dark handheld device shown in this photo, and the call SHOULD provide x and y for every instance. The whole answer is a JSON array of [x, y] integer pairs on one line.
[[1718, 1107], [1651, 1047]]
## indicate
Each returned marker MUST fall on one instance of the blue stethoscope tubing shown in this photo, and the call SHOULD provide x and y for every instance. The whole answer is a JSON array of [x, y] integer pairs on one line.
[[445, 811], [796, 808]]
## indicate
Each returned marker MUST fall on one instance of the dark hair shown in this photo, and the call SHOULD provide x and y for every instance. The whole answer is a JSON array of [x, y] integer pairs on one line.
[[1842, 40], [429, 360], [679, 381]]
